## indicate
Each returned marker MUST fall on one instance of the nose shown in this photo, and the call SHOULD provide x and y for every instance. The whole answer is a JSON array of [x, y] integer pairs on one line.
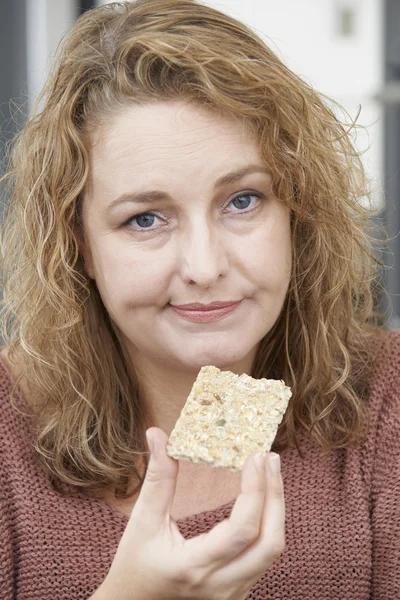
[[203, 255]]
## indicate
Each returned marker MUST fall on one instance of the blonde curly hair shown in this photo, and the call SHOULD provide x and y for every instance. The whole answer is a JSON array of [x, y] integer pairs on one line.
[[91, 423]]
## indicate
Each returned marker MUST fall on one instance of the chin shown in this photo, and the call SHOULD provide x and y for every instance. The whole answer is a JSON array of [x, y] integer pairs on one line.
[[228, 360]]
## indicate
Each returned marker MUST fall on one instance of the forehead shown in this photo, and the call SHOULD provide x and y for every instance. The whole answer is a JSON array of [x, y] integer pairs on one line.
[[167, 129]]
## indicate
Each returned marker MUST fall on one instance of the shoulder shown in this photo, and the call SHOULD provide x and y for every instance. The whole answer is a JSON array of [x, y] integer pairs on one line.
[[16, 415], [384, 386], [17, 421], [386, 367], [380, 449]]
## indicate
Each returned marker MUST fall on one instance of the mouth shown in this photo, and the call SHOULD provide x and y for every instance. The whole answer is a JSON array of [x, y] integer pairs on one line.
[[199, 306], [204, 313]]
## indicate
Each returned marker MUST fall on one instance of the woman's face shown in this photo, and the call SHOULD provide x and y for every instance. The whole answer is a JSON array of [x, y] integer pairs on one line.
[[180, 210]]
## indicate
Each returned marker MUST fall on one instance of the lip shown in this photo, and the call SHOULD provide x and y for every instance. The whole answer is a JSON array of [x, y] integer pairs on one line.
[[206, 315], [198, 306]]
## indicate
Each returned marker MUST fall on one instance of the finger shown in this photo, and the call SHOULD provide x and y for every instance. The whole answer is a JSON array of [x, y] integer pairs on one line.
[[230, 537], [154, 503], [271, 542]]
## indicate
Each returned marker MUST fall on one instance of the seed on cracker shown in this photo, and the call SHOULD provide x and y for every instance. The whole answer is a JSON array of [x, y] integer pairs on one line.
[[227, 417]]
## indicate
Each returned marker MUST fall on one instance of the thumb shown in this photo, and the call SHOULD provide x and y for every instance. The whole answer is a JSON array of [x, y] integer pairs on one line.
[[156, 496]]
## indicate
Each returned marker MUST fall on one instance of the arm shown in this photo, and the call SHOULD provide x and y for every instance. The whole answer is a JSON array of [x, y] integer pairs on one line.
[[6, 547], [385, 497]]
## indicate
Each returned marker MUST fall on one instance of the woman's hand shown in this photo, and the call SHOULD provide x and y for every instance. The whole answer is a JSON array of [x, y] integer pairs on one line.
[[155, 562]]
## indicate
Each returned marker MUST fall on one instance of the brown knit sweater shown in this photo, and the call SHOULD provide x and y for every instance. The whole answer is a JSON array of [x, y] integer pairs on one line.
[[342, 526]]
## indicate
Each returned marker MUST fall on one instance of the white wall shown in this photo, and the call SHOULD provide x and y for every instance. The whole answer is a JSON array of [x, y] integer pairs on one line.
[[307, 35], [46, 22]]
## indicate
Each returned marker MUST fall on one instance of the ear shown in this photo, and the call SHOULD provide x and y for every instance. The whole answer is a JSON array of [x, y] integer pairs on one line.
[[85, 252]]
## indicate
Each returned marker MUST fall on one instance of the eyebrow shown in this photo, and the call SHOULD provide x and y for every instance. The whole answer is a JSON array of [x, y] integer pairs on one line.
[[157, 195]]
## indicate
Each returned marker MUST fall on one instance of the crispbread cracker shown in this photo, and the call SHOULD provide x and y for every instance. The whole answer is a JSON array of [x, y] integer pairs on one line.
[[227, 417]]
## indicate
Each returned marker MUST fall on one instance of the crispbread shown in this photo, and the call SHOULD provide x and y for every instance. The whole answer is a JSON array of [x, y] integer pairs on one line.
[[227, 417]]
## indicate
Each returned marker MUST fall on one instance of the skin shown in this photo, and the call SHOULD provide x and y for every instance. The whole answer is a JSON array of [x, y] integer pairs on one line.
[[202, 245]]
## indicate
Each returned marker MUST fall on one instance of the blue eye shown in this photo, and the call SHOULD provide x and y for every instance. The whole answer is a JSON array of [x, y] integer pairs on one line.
[[145, 221], [243, 201]]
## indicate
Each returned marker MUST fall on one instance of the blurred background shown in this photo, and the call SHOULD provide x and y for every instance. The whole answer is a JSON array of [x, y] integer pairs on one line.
[[347, 49]]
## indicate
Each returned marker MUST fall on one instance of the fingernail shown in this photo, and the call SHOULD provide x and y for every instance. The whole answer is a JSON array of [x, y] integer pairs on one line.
[[259, 461], [150, 442], [274, 463]]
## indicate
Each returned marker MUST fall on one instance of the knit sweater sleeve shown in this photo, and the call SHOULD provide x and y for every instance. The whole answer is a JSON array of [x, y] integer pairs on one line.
[[385, 489], [6, 544]]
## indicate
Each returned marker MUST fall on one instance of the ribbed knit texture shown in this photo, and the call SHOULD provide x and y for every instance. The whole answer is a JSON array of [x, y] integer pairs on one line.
[[342, 514]]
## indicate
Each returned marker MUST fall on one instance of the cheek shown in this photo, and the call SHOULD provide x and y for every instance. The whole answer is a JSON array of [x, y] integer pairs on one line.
[[271, 254], [129, 276], [273, 272]]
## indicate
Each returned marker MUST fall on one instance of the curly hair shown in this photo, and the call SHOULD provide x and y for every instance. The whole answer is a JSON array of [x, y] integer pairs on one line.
[[90, 422]]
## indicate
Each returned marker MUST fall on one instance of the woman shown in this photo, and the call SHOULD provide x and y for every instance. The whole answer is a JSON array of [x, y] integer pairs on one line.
[[173, 161]]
